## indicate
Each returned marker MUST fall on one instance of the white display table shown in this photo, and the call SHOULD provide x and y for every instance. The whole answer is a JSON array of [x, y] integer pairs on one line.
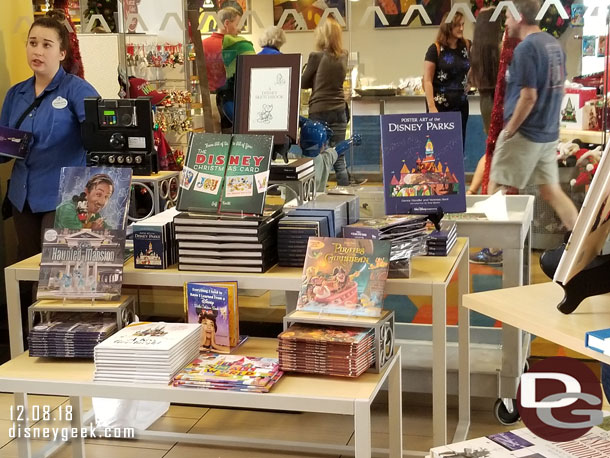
[[430, 276], [294, 392]]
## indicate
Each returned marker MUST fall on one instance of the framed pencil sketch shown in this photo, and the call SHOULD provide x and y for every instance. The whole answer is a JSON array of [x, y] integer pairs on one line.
[[267, 91]]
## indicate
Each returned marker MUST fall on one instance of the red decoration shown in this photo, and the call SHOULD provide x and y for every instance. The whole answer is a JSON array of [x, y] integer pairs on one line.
[[73, 62], [497, 114]]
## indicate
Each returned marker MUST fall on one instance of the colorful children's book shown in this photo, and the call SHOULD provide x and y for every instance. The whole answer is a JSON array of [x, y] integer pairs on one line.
[[226, 174], [423, 163], [81, 264], [214, 306], [202, 177], [344, 276], [93, 198], [230, 372]]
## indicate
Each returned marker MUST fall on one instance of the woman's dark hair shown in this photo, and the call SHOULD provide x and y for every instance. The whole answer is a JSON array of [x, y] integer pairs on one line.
[[445, 29], [55, 20], [210, 315], [485, 51], [99, 179]]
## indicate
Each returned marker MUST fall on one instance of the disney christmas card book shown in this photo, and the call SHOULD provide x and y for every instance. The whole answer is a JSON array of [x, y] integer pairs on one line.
[[423, 163], [344, 276], [226, 174]]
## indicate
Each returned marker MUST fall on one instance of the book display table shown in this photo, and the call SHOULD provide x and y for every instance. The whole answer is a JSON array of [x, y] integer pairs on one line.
[[534, 309], [430, 276], [513, 237], [293, 392]]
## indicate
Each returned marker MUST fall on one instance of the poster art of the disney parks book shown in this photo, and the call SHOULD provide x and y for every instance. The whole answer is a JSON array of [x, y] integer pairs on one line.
[[423, 163], [93, 198], [81, 264], [344, 276]]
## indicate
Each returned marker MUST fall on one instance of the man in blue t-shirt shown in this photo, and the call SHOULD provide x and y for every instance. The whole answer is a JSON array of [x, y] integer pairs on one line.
[[526, 148]]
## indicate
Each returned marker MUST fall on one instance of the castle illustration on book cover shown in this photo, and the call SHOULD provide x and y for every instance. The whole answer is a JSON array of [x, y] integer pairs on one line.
[[344, 276], [423, 163]]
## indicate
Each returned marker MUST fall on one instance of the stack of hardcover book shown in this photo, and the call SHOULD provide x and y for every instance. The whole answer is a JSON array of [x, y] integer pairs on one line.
[[154, 243], [147, 352], [230, 372], [227, 243], [327, 350], [70, 335], [294, 170], [224, 226], [294, 231], [441, 242]]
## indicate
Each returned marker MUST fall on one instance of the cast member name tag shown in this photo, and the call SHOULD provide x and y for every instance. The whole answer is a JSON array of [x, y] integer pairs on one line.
[[59, 103]]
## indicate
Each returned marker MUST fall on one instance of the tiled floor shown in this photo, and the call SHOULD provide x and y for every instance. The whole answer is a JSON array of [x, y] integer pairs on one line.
[[332, 429]]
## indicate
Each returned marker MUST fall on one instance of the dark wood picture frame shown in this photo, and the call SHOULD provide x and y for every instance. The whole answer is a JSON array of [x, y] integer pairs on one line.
[[286, 64]]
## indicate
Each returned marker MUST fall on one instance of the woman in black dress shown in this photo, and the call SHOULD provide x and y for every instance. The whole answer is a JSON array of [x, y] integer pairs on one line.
[[446, 70]]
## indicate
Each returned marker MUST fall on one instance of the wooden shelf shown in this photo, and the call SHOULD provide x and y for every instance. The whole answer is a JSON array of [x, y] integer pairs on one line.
[[587, 136]]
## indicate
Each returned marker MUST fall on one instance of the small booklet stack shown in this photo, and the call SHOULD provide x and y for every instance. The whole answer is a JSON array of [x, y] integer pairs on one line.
[[406, 233], [147, 352], [327, 350], [70, 335], [441, 242], [295, 169], [230, 372], [227, 243], [154, 243]]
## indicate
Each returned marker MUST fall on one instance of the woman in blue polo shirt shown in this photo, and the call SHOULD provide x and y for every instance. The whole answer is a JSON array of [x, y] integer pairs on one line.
[[53, 104]]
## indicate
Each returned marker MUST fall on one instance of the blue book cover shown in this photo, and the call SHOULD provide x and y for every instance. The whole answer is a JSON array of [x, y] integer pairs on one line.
[[423, 163], [306, 212], [209, 306], [598, 340], [148, 246], [93, 198]]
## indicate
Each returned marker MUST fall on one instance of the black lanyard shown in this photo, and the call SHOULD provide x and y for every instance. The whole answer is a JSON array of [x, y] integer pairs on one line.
[[31, 108]]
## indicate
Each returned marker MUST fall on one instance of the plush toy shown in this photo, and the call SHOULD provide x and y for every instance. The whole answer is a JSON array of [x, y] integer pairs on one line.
[[565, 150], [587, 161]]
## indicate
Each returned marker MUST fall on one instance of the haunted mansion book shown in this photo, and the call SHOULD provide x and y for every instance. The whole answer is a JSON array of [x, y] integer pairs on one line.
[[344, 276], [423, 163], [81, 264]]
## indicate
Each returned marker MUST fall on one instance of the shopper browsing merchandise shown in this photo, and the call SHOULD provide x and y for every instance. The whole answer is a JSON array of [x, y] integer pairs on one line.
[[446, 70], [232, 46], [526, 147], [272, 39], [324, 74], [484, 63], [50, 105]]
